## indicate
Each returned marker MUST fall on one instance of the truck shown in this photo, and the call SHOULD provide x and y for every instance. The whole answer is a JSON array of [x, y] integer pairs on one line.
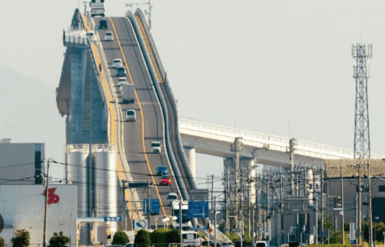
[[186, 222], [97, 8], [128, 94]]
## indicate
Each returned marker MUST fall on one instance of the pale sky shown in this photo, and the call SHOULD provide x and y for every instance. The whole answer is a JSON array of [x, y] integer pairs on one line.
[[256, 65]]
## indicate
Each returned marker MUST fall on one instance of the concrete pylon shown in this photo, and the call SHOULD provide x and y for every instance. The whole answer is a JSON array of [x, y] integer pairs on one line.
[[78, 77], [190, 153]]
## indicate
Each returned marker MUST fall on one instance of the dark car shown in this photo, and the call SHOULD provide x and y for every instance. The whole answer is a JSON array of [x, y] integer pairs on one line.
[[208, 243], [161, 170], [103, 24]]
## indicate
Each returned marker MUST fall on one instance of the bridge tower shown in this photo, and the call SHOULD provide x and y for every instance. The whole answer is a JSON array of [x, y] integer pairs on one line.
[[361, 53]]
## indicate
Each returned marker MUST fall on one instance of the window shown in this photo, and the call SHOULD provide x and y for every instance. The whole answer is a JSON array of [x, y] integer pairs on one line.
[[381, 188]]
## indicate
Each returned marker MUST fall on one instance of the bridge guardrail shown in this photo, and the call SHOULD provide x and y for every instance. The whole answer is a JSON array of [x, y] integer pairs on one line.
[[119, 114], [271, 139], [175, 169]]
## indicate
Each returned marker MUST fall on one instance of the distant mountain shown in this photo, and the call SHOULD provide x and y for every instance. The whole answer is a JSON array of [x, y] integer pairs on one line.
[[29, 114]]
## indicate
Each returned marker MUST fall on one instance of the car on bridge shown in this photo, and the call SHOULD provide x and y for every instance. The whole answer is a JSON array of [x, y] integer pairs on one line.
[[121, 71], [131, 115], [156, 147], [117, 62], [171, 197], [166, 180], [109, 36], [103, 24], [161, 170]]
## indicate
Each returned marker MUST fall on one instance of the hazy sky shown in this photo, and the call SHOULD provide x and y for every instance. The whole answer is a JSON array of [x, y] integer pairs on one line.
[[256, 65]]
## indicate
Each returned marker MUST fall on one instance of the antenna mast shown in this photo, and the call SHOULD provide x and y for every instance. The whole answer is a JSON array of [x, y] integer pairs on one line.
[[361, 53]]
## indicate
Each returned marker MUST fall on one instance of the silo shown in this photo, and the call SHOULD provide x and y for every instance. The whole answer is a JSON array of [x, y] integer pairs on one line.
[[106, 183], [76, 173]]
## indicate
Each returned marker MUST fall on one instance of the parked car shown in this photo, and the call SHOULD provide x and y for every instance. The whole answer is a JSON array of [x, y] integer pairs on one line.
[[103, 24], [161, 170], [117, 62], [156, 147], [109, 35], [165, 181], [208, 243], [171, 197], [260, 244], [227, 244]]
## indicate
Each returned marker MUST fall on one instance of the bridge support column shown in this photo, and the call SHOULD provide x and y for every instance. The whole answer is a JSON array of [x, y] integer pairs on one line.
[[78, 77], [98, 111], [190, 153]]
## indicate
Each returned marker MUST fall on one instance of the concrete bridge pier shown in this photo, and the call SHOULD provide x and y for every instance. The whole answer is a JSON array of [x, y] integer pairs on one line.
[[190, 153], [78, 78], [98, 112]]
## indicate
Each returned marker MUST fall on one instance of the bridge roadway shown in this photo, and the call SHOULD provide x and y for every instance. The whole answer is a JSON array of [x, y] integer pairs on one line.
[[149, 124]]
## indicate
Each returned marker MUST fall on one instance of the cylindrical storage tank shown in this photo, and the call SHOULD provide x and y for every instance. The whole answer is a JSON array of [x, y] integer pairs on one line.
[[76, 173], [106, 183]]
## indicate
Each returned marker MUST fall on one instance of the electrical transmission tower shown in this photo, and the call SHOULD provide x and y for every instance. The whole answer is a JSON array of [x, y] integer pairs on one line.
[[361, 53]]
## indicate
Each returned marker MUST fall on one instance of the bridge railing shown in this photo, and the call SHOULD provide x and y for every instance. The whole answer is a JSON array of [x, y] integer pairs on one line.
[[270, 139]]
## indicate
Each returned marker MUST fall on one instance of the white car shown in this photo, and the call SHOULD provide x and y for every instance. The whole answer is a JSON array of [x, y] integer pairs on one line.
[[122, 80], [108, 36], [171, 197], [156, 147], [227, 244], [91, 35], [131, 115], [117, 62]]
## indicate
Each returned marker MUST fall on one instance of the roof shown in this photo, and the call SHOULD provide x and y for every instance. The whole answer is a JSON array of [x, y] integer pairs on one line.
[[350, 167]]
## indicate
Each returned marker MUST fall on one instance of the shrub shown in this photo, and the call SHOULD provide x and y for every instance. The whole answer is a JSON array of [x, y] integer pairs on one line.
[[1, 242], [59, 239], [142, 238], [173, 236], [120, 238], [21, 239], [159, 236]]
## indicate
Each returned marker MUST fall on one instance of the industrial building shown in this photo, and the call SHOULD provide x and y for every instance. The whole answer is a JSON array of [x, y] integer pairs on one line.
[[21, 163]]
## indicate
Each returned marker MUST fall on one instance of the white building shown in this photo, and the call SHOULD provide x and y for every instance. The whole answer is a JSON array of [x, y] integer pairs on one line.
[[22, 207]]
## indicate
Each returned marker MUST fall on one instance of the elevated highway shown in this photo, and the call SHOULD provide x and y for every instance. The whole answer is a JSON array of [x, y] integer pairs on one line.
[[268, 149]]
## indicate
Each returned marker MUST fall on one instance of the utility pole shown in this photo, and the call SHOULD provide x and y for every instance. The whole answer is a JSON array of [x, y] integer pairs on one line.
[[148, 204], [180, 220], [342, 207], [227, 200], [322, 205], [212, 191], [316, 208], [282, 202], [359, 205], [46, 206], [215, 221], [292, 145], [236, 147], [258, 206], [370, 207]]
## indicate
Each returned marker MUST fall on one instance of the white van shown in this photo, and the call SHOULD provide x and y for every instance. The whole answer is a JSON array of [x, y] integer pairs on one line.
[[109, 35], [131, 115], [260, 244]]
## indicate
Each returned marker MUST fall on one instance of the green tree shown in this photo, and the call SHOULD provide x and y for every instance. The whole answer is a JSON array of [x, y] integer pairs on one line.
[[21, 239], [120, 238], [173, 236], [59, 239], [142, 239], [1, 242], [159, 236]]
